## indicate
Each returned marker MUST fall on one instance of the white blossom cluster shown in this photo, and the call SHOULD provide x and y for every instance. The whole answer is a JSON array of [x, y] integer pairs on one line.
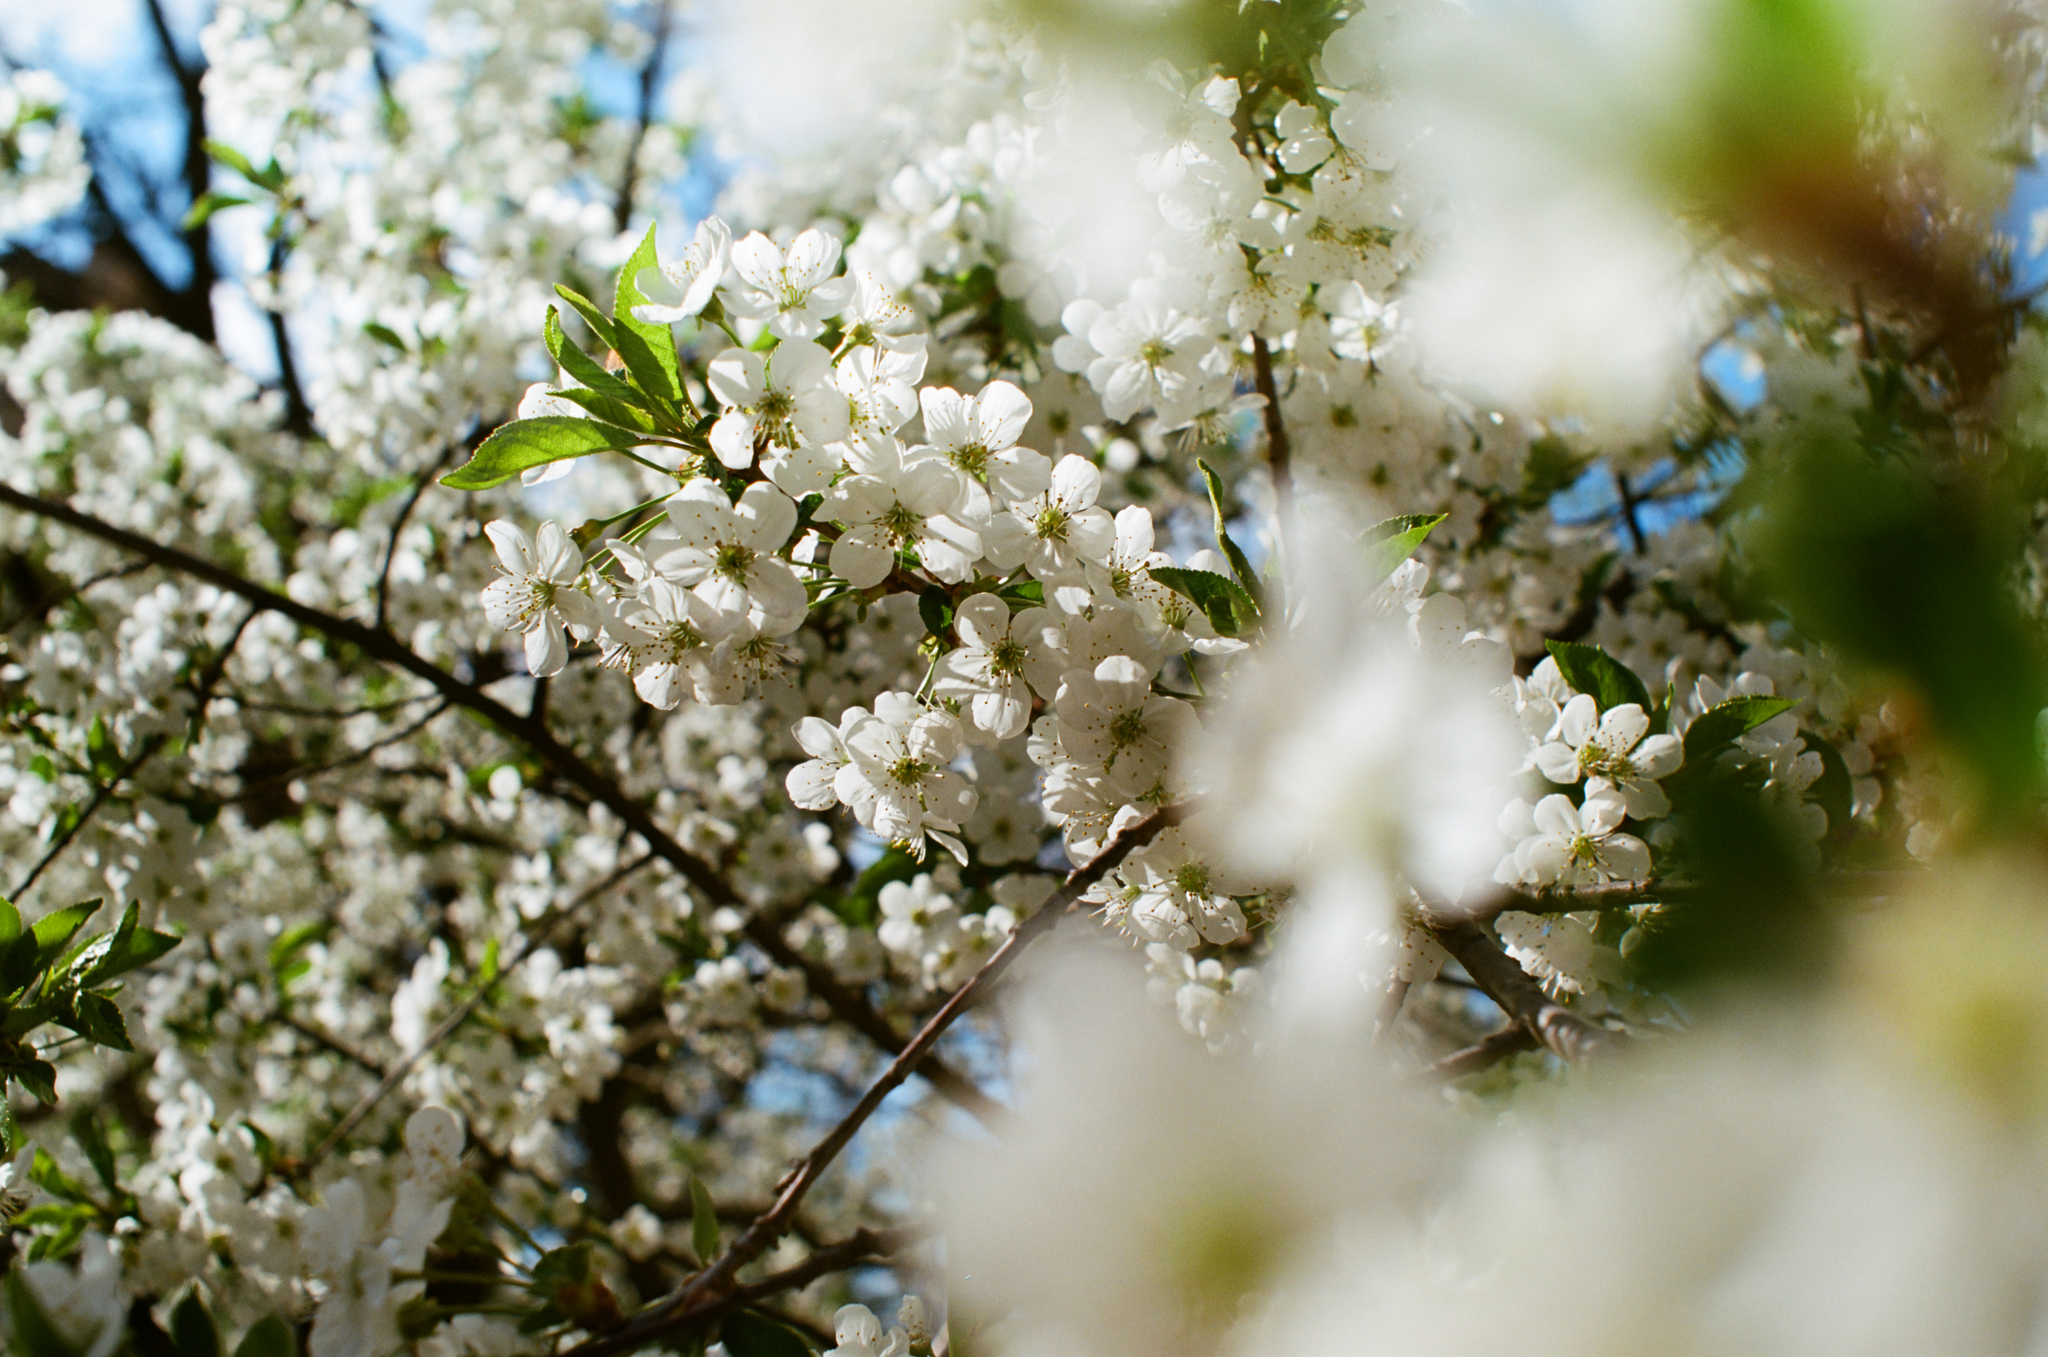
[[1057, 449]]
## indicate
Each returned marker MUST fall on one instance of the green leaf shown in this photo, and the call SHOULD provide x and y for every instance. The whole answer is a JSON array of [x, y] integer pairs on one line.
[[18, 964], [192, 1330], [600, 324], [268, 1337], [84, 968], [210, 203], [648, 348], [10, 922], [535, 442], [297, 939], [1227, 606], [100, 1020], [608, 410], [45, 1174], [582, 367], [1230, 549], [749, 1334], [703, 1222], [1392, 541], [34, 1335], [271, 176], [1720, 725], [935, 606], [385, 335], [10, 1129], [54, 931], [39, 1077], [85, 1129], [561, 1267], [99, 747], [1589, 669]]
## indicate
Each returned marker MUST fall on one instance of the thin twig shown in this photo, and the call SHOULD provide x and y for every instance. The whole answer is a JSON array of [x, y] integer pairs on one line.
[[398, 526], [718, 1281], [209, 679], [650, 87], [1278, 456]]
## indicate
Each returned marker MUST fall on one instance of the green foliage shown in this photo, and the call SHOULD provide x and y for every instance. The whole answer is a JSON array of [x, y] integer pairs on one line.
[[648, 347], [46, 978], [1392, 541], [1228, 607], [268, 1337], [1720, 726], [1592, 670], [1231, 551], [1906, 573], [703, 1222], [528, 443], [192, 1330], [748, 1333], [34, 1335]]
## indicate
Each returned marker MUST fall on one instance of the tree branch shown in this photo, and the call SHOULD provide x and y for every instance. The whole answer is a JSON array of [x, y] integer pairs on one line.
[[650, 84], [1521, 998], [716, 1285], [1278, 450], [197, 294]]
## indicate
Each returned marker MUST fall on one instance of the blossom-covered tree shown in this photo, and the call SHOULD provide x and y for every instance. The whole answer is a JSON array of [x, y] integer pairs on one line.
[[1464, 589]]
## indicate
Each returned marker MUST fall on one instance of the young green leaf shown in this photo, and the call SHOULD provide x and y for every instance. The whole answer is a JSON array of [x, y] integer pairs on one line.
[[1230, 609], [85, 1129], [192, 1330], [935, 607], [607, 410], [10, 922], [1230, 549], [703, 1222], [18, 964], [600, 324], [1590, 669], [268, 1337], [1392, 541], [54, 931], [748, 1334], [1719, 726], [582, 367], [33, 1334], [648, 347], [99, 1020], [535, 442]]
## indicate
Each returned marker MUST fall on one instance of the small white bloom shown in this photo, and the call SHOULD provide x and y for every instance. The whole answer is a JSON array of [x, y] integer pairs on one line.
[[682, 288], [1610, 751], [538, 594], [794, 292]]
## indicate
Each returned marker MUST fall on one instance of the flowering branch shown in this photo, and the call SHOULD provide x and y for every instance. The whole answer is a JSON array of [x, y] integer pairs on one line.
[[714, 1288], [1560, 1030], [538, 738]]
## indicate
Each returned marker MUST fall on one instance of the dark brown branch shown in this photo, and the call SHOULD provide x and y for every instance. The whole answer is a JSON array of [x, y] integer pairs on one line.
[[398, 526], [1278, 455], [717, 1284], [650, 89], [1521, 998], [197, 294]]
